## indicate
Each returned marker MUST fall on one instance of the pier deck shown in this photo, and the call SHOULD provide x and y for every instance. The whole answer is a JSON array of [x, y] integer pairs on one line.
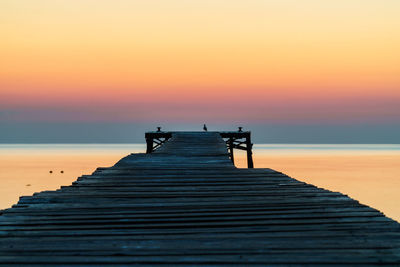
[[186, 204]]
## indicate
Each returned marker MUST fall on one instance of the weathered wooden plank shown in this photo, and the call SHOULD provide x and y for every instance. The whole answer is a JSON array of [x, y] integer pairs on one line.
[[90, 213], [363, 230], [245, 258], [104, 218]]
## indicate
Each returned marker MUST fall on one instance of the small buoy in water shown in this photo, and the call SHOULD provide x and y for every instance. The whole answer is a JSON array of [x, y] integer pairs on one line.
[[50, 171], [62, 171]]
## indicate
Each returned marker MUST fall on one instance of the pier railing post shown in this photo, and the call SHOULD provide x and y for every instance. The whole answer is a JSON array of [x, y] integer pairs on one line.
[[149, 142], [231, 149], [249, 146]]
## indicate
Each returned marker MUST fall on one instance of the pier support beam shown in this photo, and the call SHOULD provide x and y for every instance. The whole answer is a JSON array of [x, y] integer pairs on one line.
[[230, 147], [249, 147], [239, 140], [155, 139]]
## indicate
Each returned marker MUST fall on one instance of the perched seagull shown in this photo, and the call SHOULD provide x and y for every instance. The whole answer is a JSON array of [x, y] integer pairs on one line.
[[205, 127]]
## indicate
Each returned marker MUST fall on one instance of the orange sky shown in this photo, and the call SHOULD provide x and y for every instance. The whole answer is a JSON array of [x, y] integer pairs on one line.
[[221, 60]]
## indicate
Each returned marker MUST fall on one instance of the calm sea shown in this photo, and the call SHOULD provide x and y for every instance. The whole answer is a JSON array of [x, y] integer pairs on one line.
[[368, 173]]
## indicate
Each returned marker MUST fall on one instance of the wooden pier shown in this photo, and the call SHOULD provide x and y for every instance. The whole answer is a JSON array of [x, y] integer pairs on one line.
[[185, 203]]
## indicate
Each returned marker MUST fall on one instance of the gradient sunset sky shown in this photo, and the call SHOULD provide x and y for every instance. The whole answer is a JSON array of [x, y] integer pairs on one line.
[[287, 62]]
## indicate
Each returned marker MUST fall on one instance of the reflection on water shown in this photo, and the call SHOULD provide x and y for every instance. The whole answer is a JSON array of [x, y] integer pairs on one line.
[[368, 173]]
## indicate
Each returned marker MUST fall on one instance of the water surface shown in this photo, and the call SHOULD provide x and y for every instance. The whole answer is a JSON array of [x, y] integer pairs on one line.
[[368, 173]]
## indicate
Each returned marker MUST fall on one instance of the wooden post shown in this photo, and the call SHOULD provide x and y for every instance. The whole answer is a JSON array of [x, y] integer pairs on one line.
[[249, 146], [231, 149], [149, 142]]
